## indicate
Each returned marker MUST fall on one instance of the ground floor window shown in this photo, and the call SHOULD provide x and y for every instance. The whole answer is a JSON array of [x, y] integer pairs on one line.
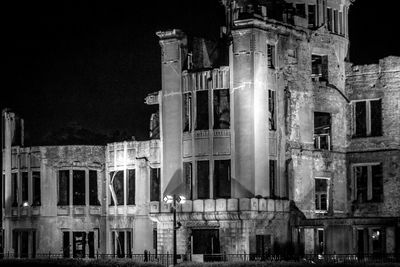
[[371, 240], [320, 244], [121, 243], [79, 244], [24, 243]]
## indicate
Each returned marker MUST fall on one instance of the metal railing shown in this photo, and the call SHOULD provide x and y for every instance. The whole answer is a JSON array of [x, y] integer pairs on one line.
[[312, 258], [166, 259]]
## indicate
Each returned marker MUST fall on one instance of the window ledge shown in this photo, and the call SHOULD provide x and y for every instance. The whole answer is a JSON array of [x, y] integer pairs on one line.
[[321, 211], [366, 137]]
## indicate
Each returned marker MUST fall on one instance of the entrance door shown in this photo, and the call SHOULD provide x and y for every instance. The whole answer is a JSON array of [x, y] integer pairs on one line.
[[206, 241]]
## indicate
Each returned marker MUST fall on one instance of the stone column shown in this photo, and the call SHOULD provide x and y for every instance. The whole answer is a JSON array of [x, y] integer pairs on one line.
[[250, 110], [172, 57]]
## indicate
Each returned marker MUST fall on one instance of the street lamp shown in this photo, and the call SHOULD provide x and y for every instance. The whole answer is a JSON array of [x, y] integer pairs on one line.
[[174, 200]]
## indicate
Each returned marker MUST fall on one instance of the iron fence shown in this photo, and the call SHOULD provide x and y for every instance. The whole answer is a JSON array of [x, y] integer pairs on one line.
[[167, 259]]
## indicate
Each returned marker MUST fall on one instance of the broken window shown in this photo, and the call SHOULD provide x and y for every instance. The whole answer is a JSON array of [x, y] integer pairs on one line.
[[24, 243], [335, 21], [222, 179], [311, 16], [378, 237], [24, 187], [121, 243], [203, 180], [321, 194], [271, 56], [319, 67], [36, 188], [63, 187], [322, 130], [271, 110], [155, 184], [320, 240], [78, 244], [81, 241], [14, 188], [202, 110], [131, 187], [187, 176], [79, 186], [155, 125], [91, 244], [368, 183], [187, 111], [117, 182], [301, 10], [65, 248], [368, 118], [221, 109], [329, 18], [272, 178], [287, 177], [93, 191]]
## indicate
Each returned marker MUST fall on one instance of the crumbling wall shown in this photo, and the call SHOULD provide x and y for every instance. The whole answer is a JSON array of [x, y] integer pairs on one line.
[[377, 81]]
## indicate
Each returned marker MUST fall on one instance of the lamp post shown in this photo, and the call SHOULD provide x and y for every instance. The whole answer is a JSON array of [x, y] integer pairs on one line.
[[174, 200]]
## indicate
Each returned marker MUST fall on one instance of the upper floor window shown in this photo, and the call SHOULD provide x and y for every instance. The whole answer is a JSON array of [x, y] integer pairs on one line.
[[155, 175], [271, 56], [368, 118], [36, 188], [319, 67], [187, 112], [329, 18], [321, 194], [72, 187], [202, 110], [271, 110], [14, 189], [368, 182], [222, 178], [322, 130], [301, 10], [221, 109], [312, 16], [187, 176], [121, 195], [335, 21], [272, 178], [203, 179], [29, 195]]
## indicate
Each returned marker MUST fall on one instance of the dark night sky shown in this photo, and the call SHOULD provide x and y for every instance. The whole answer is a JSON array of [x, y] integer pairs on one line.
[[92, 63]]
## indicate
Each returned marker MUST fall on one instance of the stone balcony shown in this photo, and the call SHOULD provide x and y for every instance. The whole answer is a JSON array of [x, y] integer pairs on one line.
[[222, 209]]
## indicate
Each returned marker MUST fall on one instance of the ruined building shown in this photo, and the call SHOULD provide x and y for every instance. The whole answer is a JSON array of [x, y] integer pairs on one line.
[[278, 143]]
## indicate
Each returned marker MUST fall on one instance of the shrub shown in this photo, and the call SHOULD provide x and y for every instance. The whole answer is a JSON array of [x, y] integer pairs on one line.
[[76, 263]]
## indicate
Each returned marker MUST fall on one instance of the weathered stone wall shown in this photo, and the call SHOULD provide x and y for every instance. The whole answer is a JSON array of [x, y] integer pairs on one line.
[[48, 219]]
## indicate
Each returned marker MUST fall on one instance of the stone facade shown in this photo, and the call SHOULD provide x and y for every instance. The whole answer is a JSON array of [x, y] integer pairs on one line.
[[277, 142]]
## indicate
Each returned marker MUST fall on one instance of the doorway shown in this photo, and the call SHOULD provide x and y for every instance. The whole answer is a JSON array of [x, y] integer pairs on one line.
[[206, 241]]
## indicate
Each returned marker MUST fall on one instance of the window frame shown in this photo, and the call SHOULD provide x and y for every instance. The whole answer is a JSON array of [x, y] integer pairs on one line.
[[370, 197], [317, 137], [319, 194], [71, 186], [113, 238], [125, 183], [368, 118], [271, 56]]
